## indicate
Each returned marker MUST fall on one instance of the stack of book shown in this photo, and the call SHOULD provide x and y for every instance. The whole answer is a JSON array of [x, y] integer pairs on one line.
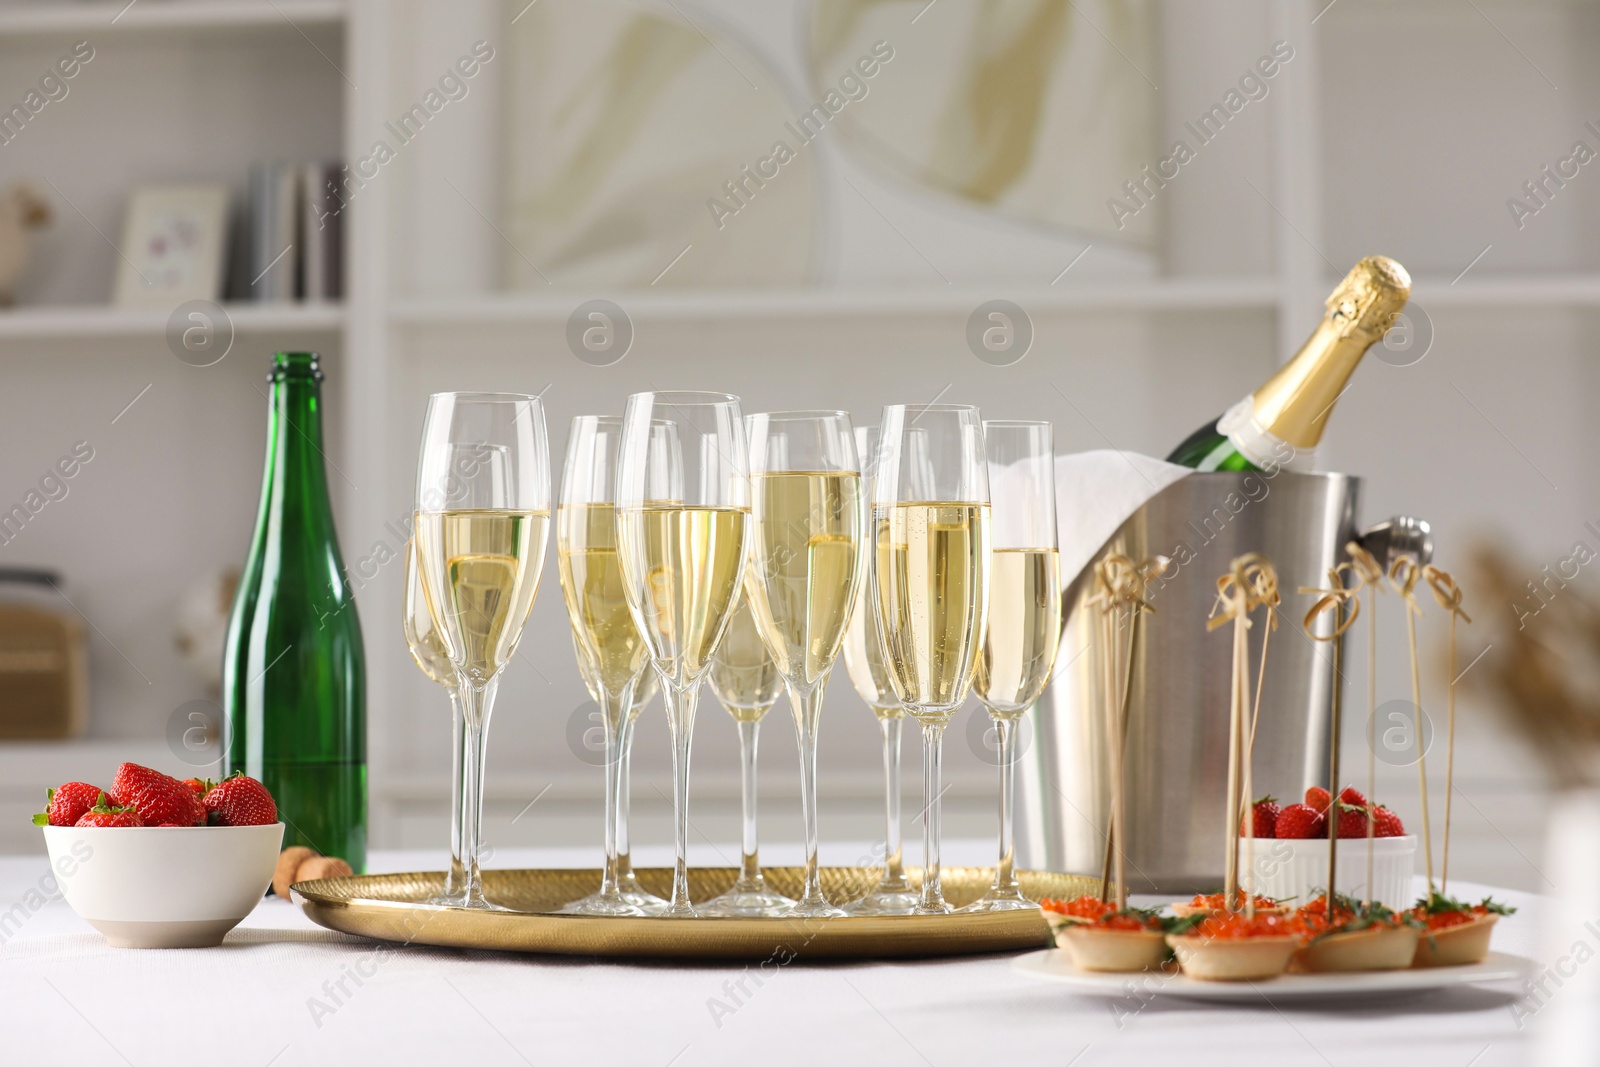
[[293, 234]]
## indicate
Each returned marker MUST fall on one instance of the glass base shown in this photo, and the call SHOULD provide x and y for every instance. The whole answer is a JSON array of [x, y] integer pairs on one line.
[[999, 903], [882, 901], [455, 901], [938, 907], [816, 909], [611, 905], [628, 889], [752, 900], [678, 911]]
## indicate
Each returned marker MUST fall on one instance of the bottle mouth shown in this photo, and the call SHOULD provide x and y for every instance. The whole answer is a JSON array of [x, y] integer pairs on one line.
[[286, 365]]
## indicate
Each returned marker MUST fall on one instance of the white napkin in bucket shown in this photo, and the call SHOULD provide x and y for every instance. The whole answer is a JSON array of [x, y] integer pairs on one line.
[[1095, 493]]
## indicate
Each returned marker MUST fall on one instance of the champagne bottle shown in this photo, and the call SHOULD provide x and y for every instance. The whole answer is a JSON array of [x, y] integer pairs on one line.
[[294, 673], [1280, 424]]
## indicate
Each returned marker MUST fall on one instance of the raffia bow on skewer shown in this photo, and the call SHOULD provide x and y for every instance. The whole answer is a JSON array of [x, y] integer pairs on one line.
[[1251, 582], [1121, 585], [1370, 572], [1449, 595], [1403, 575], [1336, 598]]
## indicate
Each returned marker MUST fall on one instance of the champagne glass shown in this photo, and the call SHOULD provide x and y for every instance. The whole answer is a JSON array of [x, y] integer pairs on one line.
[[747, 683], [627, 881], [808, 520], [427, 648], [483, 517], [683, 508], [610, 650], [863, 658], [931, 574], [1019, 647]]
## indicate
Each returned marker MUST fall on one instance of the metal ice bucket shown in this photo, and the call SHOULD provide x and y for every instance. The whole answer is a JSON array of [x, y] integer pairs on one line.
[[1178, 706]]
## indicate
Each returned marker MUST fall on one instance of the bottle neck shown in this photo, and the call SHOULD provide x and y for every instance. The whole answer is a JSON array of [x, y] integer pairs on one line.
[[295, 486], [1294, 405]]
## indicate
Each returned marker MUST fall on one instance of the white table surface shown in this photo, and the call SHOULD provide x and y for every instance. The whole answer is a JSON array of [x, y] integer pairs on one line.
[[66, 998]]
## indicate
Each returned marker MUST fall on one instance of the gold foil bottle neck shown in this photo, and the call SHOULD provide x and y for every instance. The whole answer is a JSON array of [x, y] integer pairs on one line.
[[1293, 405]]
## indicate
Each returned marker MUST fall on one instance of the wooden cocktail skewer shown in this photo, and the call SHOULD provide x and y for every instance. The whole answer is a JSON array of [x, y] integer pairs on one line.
[[1337, 597], [1448, 594], [1403, 574], [1264, 592], [1122, 585], [1371, 575], [1247, 574]]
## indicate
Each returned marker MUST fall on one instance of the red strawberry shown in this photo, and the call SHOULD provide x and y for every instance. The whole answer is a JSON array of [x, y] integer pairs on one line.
[[1388, 824], [109, 815], [156, 797], [241, 801], [1351, 795], [1317, 798], [1264, 812], [1300, 821], [1353, 821], [200, 786], [66, 805]]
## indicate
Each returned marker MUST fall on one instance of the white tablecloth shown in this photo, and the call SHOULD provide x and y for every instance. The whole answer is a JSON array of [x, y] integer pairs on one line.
[[283, 991]]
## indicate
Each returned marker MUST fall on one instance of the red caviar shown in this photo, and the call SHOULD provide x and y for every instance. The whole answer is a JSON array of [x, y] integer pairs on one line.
[[1214, 901], [1232, 926], [1092, 911], [1443, 920]]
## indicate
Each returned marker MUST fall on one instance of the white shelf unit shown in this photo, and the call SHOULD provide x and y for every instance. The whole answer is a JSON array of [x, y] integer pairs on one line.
[[1117, 363]]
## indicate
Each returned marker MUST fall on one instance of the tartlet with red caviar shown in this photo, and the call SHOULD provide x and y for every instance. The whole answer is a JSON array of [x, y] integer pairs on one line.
[[1456, 933], [1359, 937], [1235, 947], [1216, 904], [1097, 936]]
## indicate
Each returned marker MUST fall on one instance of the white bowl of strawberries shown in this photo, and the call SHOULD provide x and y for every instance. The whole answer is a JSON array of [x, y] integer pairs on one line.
[[154, 862], [1290, 863]]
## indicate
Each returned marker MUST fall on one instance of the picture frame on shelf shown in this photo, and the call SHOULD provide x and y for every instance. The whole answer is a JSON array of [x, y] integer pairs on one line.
[[174, 240]]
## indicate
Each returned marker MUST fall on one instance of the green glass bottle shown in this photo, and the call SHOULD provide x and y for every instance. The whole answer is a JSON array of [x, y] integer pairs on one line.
[[1281, 423], [294, 672]]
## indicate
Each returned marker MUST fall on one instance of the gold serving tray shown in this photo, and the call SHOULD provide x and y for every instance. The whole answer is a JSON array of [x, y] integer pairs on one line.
[[391, 907]]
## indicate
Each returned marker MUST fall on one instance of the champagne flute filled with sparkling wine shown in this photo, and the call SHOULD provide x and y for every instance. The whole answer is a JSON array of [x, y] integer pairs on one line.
[[747, 683], [808, 519], [427, 648], [931, 578], [483, 516], [611, 652], [1019, 646], [863, 658], [683, 509]]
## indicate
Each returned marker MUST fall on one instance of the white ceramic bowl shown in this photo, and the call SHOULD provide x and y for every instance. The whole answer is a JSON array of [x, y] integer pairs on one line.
[[163, 887], [1290, 870]]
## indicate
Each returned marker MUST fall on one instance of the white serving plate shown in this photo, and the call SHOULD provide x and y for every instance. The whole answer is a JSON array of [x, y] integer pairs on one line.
[[1053, 965]]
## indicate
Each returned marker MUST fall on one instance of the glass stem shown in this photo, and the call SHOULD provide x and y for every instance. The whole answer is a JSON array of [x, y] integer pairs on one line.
[[749, 862], [455, 877], [623, 787], [1005, 876], [610, 709], [477, 703], [894, 875], [808, 715], [680, 705], [932, 900]]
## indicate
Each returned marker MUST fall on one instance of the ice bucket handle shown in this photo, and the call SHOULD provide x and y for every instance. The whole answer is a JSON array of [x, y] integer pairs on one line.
[[1397, 536]]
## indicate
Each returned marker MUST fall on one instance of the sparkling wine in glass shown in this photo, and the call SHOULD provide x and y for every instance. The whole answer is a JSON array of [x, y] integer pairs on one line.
[[1019, 646], [683, 510], [863, 659], [611, 652], [808, 522], [427, 648], [931, 578], [746, 683], [482, 520]]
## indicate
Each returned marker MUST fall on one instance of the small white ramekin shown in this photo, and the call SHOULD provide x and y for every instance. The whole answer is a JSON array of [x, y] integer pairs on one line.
[[1292, 870], [163, 887]]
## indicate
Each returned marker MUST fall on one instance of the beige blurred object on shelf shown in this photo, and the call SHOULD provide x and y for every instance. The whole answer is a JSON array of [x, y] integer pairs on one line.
[[44, 670], [22, 209], [202, 626]]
